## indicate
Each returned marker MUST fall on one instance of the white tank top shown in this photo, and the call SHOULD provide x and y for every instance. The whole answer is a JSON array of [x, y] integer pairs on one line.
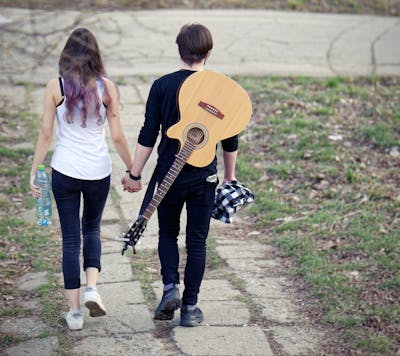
[[81, 152]]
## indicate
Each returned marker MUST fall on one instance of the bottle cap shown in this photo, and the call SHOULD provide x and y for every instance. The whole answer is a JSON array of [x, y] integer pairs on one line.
[[40, 167]]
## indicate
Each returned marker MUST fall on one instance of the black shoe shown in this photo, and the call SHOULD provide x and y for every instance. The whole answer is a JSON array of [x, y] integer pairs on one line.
[[191, 317], [170, 302]]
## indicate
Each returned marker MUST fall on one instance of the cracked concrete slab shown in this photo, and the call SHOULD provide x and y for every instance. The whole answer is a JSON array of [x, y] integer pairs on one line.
[[297, 340], [35, 347], [214, 340], [133, 344], [26, 327], [32, 280]]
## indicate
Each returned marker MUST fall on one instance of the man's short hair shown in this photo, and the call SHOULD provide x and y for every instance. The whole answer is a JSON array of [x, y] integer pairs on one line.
[[194, 42]]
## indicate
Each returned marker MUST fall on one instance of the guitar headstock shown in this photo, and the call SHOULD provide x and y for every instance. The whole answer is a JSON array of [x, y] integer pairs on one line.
[[132, 236]]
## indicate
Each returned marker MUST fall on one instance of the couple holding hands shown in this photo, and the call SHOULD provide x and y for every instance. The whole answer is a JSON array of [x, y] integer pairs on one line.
[[82, 99]]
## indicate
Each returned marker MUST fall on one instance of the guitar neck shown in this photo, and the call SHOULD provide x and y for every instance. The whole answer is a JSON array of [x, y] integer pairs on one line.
[[169, 178]]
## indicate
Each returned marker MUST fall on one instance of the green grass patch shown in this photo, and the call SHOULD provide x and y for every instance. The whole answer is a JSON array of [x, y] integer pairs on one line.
[[25, 246], [380, 345], [245, 169], [17, 311], [214, 261], [326, 190], [144, 274], [268, 207], [29, 239], [8, 340], [382, 135], [51, 299]]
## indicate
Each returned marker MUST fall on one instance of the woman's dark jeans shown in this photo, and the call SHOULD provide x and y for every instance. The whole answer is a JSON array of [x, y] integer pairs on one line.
[[67, 194], [199, 198]]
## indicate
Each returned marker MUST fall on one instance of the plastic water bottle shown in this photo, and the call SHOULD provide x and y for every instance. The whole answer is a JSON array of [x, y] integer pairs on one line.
[[44, 211]]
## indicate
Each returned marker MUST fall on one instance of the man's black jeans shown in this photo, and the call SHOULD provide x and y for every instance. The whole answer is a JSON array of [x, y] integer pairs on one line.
[[199, 198]]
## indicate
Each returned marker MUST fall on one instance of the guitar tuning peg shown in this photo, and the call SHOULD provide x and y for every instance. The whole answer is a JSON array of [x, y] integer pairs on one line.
[[122, 239]]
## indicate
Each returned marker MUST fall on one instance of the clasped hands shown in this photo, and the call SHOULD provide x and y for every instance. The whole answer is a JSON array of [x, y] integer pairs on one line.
[[130, 185]]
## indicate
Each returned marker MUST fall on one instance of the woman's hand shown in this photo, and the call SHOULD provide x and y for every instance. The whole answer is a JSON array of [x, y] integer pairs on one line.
[[35, 190]]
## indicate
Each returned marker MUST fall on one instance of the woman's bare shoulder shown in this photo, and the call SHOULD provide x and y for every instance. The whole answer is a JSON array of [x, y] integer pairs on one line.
[[110, 85], [53, 83], [53, 88]]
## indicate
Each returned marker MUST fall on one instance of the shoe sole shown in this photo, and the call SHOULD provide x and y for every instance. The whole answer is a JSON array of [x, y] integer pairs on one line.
[[167, 312], [74, 324], [75, 327], [94, 309], [191, 323]]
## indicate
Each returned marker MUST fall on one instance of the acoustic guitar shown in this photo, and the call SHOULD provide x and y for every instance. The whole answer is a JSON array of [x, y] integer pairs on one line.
[[212, 107]]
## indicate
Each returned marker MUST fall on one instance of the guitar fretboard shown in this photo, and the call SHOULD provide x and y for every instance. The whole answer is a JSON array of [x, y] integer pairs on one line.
[[169, 178]]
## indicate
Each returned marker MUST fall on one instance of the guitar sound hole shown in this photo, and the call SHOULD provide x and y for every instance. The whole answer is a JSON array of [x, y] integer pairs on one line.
[[195, 135]]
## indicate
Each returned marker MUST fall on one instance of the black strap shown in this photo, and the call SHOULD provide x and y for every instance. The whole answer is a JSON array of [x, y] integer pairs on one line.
[[149, 192], [61, 86]]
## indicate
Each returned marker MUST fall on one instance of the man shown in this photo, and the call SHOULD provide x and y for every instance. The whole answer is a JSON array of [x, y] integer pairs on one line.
[[194, 186]]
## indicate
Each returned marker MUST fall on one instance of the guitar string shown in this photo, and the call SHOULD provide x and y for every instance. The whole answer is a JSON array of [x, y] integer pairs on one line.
[[176, 167]]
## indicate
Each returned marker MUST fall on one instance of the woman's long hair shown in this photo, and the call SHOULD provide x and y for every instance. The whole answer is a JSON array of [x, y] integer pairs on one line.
[[80, 66]]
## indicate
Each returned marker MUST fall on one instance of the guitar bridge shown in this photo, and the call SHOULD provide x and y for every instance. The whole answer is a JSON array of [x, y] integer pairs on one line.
[[211, 109]]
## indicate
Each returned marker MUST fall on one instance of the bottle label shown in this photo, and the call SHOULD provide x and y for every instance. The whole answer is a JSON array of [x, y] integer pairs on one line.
[[46, 212]]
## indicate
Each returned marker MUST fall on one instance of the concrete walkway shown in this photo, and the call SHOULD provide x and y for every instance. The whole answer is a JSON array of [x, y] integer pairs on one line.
[[138, 46]]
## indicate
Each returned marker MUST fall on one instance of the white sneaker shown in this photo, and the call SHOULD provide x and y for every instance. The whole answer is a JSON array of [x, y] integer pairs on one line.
[[74, 320], [93, 302]]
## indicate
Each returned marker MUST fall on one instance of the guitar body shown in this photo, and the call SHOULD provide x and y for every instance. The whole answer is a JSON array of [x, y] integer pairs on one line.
[[216, 105]]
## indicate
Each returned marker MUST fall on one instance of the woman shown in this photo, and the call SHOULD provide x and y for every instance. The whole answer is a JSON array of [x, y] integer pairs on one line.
[[82, 98]]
